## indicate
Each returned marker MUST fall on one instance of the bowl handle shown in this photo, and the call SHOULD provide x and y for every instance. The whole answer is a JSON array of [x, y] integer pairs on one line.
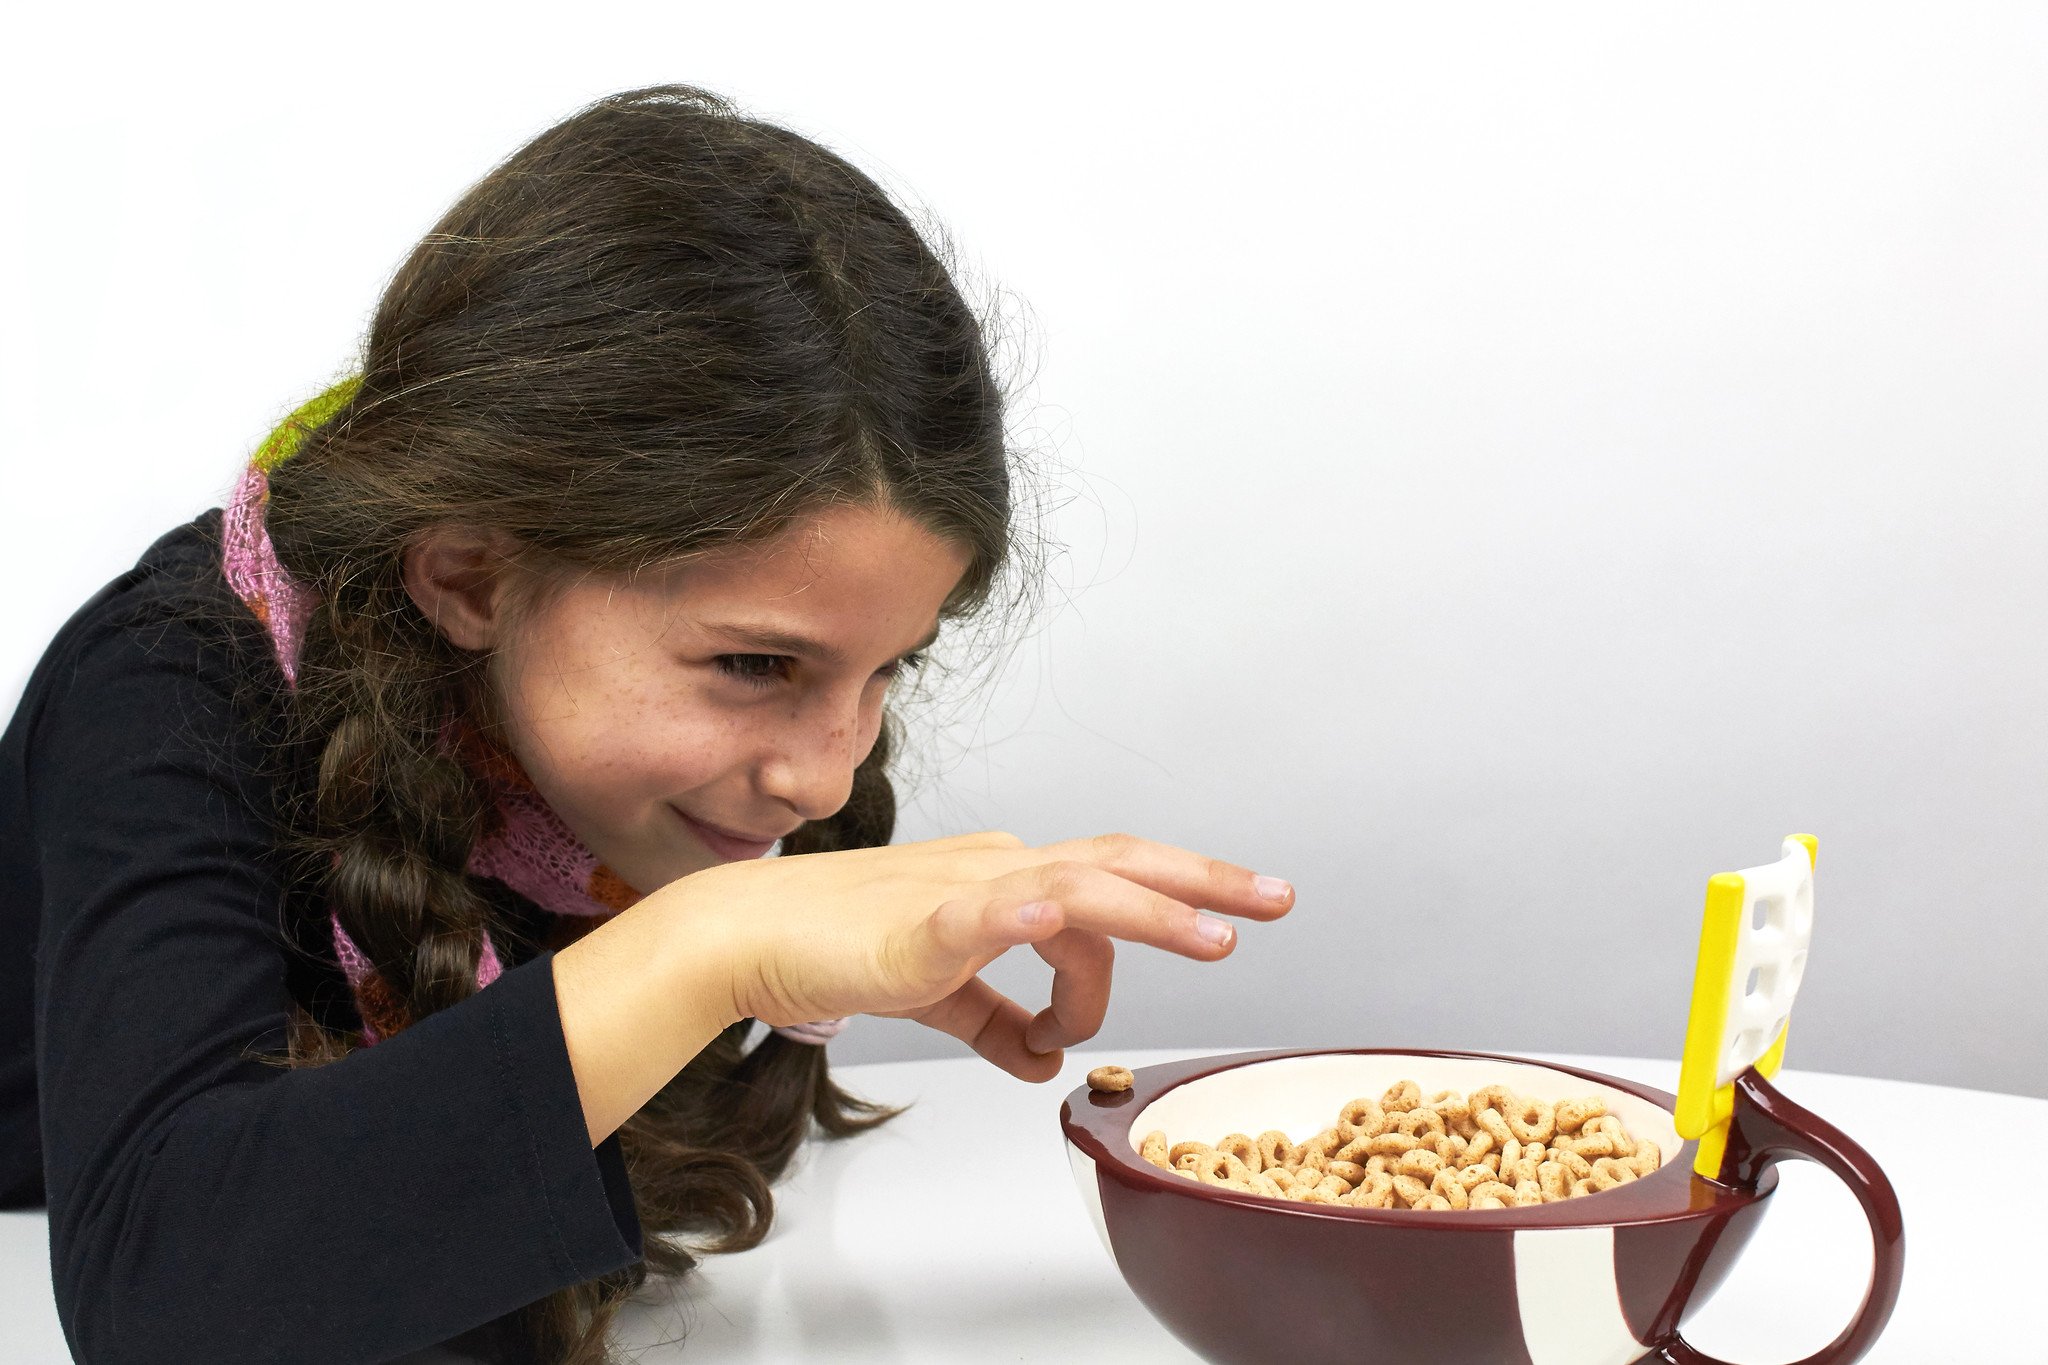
[[1767, 1128]]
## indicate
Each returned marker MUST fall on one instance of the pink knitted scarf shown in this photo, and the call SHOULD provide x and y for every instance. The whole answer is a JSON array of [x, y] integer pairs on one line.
[[527, 847]]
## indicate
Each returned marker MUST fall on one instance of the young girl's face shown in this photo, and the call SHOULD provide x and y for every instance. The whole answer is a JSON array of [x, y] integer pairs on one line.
[[695, 716]]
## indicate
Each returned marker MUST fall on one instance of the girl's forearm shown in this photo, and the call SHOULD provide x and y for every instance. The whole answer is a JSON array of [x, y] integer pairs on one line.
[[638, 1000]]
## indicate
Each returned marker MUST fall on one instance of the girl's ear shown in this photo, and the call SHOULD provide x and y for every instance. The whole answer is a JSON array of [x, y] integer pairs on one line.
[[459, 579]]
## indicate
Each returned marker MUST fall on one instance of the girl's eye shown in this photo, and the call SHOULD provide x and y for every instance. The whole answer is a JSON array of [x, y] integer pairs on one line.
[[760, 670], [757, 669]]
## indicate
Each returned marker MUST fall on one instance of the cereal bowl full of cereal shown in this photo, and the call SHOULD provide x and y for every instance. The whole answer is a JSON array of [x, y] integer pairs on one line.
[[1440, 1207]]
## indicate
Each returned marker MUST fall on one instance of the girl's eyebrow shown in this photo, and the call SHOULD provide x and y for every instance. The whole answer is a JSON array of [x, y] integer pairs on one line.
[[768, 639]]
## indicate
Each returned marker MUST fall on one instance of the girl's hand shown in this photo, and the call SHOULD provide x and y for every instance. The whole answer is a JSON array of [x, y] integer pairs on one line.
[[903, 930]]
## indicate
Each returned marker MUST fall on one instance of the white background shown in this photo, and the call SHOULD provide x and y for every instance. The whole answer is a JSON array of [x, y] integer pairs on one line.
[[1513, 462]]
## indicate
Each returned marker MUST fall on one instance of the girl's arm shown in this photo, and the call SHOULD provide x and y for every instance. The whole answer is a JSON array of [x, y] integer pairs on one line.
[[639, 996], [205, 1206]]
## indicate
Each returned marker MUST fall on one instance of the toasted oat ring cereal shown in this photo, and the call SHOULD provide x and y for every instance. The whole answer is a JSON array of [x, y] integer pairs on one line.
[[1572, 1114], [1530, 1120], [1417, 1122], [1390, 1144], [1491, 1149], [1450, 1104], [1277, 1149], [1221, 1168], [1624, 1145], [1592, 1146], [1361, 1118], [1421, 1163], [1109, 1079], [1245, 1150]]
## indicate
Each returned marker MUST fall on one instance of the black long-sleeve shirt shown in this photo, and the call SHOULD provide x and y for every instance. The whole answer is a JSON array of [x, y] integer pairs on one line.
[[204, 1205]]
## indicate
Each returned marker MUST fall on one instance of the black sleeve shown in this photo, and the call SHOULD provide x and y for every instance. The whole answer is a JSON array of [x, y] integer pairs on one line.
[[205, 1206]]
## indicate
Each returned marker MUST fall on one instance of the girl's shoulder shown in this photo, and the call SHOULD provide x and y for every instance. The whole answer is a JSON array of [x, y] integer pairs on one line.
[[167, 635], [174, 602]]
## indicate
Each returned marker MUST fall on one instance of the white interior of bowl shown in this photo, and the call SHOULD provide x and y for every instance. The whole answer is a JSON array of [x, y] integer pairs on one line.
[[1300, 1096]]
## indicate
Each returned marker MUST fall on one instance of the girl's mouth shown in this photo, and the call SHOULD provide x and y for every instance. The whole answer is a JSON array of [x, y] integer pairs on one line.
[[726, 844]]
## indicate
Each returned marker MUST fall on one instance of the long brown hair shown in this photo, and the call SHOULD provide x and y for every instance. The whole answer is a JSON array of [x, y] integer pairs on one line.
[[658, 329]]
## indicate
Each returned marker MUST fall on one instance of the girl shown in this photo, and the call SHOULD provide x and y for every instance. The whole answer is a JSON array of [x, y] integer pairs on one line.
[[385, 851]]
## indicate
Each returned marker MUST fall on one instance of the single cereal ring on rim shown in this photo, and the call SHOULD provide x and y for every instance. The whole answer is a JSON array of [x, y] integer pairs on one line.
[[1531, 1120], [1109, 1079], [1401, 1096]]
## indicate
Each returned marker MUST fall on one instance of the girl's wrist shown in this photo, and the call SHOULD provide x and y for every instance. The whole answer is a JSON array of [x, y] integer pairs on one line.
[[639, 998]]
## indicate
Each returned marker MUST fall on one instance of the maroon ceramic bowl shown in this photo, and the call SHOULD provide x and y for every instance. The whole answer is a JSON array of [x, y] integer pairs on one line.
[[1604, 1279]]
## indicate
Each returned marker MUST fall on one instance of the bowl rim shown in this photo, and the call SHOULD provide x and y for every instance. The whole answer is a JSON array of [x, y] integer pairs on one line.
[[1098, 1125]]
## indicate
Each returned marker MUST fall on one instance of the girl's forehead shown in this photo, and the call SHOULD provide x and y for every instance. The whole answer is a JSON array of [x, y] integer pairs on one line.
[[844, 563]]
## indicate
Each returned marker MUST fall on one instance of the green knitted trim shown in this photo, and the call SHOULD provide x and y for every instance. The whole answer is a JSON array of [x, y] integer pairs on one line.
[[292, 432]]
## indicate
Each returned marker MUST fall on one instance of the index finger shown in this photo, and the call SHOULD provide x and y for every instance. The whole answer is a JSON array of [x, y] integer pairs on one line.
[[1187, 876]]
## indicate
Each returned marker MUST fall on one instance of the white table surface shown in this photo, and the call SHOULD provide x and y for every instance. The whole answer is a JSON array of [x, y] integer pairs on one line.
[[954, 1234]]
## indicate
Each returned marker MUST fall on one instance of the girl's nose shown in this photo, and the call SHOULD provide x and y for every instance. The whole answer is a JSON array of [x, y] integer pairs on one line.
[[812, 769]]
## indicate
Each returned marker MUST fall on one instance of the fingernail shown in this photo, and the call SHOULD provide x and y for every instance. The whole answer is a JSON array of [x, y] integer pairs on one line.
[[1034, 913], [1214, 930], [1272, 888]]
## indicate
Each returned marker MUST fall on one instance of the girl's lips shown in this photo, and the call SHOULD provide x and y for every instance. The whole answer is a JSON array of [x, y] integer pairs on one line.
[[725, 845]]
